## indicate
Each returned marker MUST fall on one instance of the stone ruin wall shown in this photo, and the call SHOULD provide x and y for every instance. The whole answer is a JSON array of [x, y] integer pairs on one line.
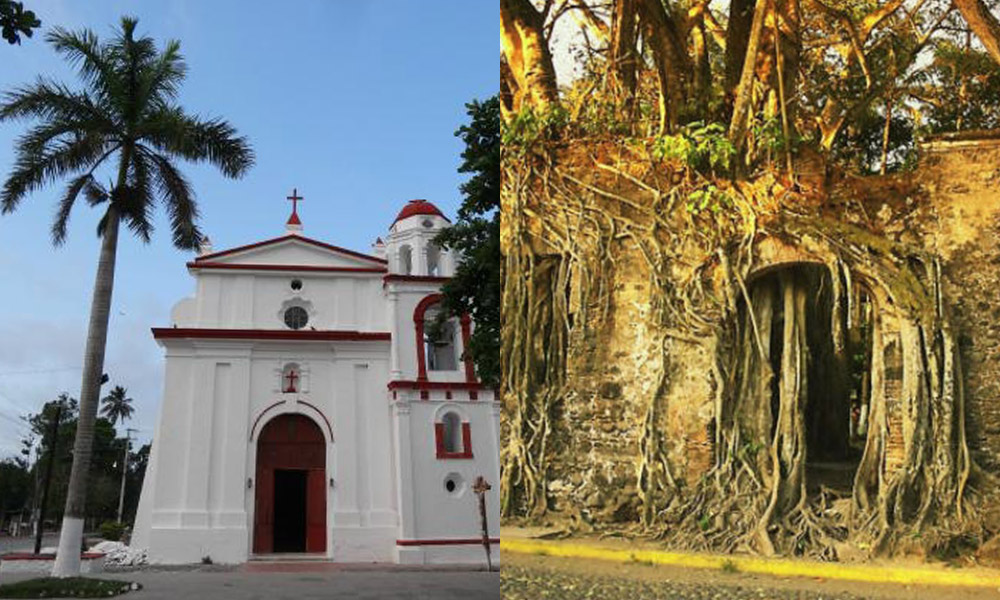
[[962, 180], [613, 370]]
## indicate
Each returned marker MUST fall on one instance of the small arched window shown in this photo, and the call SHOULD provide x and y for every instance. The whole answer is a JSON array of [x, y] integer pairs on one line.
[[405, 260], [433, 260], [452, 433], [439, 343], [453, 437]]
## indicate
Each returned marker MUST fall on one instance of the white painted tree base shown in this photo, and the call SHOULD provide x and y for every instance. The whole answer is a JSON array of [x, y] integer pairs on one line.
[[70, 541]]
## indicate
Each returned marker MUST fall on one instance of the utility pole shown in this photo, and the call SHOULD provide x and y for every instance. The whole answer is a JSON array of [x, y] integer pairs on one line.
[[54, 436], [121, 498]]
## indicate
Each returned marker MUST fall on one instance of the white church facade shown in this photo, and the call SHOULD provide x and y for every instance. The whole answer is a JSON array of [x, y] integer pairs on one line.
[[308, 410]]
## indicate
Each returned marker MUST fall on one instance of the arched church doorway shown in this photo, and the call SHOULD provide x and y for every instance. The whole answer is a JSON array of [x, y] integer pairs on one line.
[[816, 334], [290, 509]]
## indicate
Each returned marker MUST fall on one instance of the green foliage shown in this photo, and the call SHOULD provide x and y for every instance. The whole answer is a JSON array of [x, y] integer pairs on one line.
[[704, 522], [728, 566], [708, 198], [18, 476], [15, 485], [475, 287], [749, 449], [967, 91], [117, 406], [75, 587], [15, 21], [699, 146], [112, 531], [529, 127]]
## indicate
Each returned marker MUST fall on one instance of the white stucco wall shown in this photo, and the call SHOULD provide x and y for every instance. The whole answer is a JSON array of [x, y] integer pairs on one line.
[[388, 484]]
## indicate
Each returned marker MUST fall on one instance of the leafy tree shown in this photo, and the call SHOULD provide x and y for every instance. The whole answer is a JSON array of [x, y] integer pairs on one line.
[[475, 289], [15, 486], [125, 118], [15, 21], [117, 405]]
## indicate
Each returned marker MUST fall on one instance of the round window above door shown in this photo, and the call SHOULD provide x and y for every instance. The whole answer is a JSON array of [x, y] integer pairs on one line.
[[296, 317]]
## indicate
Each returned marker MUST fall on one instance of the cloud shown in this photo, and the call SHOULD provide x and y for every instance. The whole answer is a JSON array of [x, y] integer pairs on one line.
[[40, 359]]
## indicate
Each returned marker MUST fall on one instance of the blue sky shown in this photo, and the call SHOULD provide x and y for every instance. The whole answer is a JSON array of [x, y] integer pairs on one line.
[[353, 102]]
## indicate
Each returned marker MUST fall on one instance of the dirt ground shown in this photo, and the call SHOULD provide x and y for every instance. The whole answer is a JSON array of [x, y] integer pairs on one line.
[[525, 576]]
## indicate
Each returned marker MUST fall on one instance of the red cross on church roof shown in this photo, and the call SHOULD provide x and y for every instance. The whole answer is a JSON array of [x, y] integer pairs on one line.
[[294, 219]]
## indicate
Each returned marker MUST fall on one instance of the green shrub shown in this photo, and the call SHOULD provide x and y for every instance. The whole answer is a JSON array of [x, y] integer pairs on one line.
[[112, 531]]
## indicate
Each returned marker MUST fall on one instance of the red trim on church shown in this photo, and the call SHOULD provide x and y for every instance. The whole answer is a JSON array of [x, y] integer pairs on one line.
[[419, 207], [285, 238], [443, 454], [414, 279], [402, 384], [457, 542], [260, 267], [418, 322], [161, 333], [329, 428]]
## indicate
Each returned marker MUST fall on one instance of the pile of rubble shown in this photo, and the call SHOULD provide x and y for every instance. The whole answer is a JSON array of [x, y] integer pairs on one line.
[[119, 555]]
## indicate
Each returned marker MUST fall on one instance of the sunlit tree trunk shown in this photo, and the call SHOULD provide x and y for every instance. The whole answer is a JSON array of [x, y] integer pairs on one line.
[[665, 37], [738, 30], [528, 57], [983, 23], [702, 68], [741, 103], [623, 54]]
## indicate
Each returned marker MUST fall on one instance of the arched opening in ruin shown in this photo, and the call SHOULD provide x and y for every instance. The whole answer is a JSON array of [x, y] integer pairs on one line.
[[817, 343]]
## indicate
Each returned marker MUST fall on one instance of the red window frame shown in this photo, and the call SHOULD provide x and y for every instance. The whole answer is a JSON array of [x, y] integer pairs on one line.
[[442, 454], [418, 324]]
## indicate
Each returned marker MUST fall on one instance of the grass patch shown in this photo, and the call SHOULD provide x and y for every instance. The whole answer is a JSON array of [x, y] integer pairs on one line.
[[634, 559], [76, 587], [730, 567]]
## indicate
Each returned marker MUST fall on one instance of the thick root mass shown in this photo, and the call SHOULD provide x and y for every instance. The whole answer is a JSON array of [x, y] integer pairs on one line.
[[862, 328]]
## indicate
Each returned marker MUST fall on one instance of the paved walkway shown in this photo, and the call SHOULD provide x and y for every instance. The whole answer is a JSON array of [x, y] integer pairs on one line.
[[356, 584]]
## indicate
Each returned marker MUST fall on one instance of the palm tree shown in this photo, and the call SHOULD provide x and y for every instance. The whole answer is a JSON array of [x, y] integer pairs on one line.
[[126, 119], [117, 405]]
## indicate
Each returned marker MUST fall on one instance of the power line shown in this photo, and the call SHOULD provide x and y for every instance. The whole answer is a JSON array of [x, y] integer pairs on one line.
[[40, 371]]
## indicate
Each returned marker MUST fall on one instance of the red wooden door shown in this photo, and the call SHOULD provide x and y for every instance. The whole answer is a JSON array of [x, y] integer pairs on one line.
[[263, 531], [316, 511], [290, 442]]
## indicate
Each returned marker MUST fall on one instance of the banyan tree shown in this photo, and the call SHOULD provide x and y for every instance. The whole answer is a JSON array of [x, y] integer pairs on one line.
[[739, 307]]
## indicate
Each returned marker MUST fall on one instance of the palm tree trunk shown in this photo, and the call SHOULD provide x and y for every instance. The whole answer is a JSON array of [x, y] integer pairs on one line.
[[70, 540]]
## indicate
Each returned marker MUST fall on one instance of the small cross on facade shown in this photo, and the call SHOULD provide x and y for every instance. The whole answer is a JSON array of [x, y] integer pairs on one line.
[[292, 377]]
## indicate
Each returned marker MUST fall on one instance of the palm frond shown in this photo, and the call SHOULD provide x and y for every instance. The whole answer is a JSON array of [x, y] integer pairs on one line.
[[66, 206], [82, 50], [162, 80], [47, 101], [32, 171], [178, 200], [42, 138], [136, 200], [214, 141]]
